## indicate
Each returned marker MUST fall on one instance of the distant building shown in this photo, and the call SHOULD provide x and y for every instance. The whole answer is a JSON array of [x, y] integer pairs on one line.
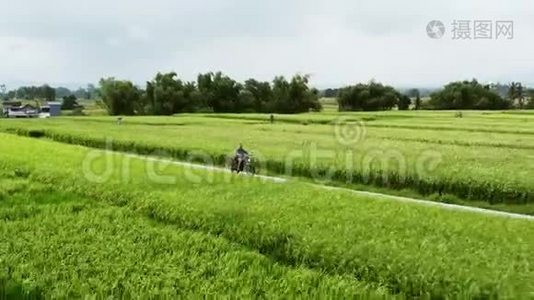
[[25, 111], [13, 109], [6, 105], [50, 109]]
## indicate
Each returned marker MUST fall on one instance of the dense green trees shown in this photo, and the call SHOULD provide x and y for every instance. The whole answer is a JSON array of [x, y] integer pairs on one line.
[[44, 92], [455, 95], [121, 97], [404, 102], [258, 94], [370, 97], [220, 92], [48, 93], [69, 102], [294, 96], [166, 95], [216, 92], [329, 93], [62, 92], [467, 95]]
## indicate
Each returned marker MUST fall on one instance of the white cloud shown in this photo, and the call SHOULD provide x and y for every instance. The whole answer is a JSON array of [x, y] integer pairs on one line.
[[138, 33], [338, 41], [22, 56], [113, 41]]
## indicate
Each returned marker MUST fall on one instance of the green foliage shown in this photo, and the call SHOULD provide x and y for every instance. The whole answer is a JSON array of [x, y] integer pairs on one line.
[[48, 93], [220, 92], [120, 97], [467, 95], [166, 95], [61, 245], [69, 102], [404, 102], [91, 91], [262, 95], [329, 93], [469, 165], [62, 92], [44, 92], [412, 250], [213, 92], [501, 89], [370, 97], [294, 96]]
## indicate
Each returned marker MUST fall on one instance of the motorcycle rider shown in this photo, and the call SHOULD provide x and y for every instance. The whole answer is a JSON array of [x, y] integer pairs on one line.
[[240, 155], [241, 151]]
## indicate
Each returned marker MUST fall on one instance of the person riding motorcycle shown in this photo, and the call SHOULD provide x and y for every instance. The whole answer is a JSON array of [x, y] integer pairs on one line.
[[241, 151], [240, 156]]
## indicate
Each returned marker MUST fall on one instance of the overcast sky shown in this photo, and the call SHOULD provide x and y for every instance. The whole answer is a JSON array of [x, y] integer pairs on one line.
[[338, 42]]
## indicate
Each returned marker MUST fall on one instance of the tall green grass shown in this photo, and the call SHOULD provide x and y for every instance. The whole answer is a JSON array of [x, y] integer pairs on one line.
[[413, 251], [494, 174], [60, 245]]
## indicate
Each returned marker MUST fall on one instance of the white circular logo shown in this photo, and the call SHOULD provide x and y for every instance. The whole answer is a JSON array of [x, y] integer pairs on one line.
[[349, 133], [435, 29]]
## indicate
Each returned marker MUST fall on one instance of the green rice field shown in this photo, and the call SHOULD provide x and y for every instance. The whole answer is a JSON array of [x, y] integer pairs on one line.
[[483, 157], [85, 222]]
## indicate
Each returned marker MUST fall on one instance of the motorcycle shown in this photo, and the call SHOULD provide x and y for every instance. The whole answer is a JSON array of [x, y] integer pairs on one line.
[[243, 163]]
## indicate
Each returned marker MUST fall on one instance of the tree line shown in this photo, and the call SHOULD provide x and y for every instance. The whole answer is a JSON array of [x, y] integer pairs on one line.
[[48, 93], [44, 92], [371, 97], [375, 96], [167, 94], [474, 95]]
